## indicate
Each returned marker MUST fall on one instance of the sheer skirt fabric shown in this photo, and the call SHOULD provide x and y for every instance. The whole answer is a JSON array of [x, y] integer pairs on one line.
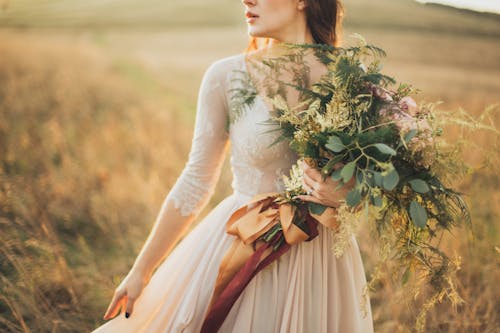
[[308, 290]]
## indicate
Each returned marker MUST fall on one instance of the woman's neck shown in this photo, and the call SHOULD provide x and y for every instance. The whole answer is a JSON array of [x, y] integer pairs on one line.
[[305, 38], [277, 47]]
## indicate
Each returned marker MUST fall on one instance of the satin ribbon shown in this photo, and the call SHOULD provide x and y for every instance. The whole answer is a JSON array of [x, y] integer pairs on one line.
[[243, 260]]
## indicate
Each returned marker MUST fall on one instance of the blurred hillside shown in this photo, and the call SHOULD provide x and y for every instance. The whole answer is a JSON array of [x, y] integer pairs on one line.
[[97, 102]]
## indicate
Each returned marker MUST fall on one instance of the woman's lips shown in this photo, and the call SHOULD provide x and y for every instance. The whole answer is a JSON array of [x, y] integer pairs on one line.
[[251, 17]]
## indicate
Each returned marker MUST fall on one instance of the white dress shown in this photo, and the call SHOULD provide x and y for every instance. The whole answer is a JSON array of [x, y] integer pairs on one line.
[[307, 290]]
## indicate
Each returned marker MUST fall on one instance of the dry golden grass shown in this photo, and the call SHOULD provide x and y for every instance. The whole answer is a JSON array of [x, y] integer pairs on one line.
[[85, 162], [95, 125]]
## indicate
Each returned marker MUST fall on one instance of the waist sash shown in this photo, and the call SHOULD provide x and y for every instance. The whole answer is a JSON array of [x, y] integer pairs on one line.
[[264, 230]]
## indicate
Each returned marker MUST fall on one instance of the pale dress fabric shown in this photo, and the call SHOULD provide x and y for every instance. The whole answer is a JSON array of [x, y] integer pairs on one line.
[[308, 290]]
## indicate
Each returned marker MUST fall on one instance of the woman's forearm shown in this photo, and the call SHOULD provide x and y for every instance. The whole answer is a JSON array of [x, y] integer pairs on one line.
[[197, 180], [169, 227]]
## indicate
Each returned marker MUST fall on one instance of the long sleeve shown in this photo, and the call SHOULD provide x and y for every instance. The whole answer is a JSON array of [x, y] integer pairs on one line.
[[196, 184]]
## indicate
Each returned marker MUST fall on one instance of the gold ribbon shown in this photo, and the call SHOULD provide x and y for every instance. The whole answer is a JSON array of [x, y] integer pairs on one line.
[[254, 219]]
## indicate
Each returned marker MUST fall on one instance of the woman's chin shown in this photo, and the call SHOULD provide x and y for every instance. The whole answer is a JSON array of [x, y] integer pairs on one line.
[[256, 33]]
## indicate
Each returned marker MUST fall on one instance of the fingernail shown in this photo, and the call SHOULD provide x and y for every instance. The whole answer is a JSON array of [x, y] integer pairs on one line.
[[127, 315]]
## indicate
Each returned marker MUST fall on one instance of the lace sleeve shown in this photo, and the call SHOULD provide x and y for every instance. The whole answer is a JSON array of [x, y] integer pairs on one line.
[[196, 184]]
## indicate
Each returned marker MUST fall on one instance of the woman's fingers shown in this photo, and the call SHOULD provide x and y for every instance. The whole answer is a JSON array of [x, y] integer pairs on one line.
[[326, 192], [130, 306], [307, 185], [310, 183], [320, 186], [313, 173], [309, 198], [114, 306]]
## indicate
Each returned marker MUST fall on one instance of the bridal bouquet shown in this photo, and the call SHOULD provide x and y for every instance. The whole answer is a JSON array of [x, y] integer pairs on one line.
[[355, 129], [392, 148]]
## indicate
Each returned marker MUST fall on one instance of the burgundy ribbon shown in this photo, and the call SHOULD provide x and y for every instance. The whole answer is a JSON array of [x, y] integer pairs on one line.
[[221, 307]]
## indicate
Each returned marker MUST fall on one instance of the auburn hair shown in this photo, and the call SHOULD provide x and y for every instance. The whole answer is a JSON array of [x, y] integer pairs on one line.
[[324, 18]]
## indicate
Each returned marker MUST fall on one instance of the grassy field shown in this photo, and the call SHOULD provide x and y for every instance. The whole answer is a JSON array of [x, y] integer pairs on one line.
[[97, 103]]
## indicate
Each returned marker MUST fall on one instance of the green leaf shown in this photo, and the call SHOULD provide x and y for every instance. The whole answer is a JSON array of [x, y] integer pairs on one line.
[[376, 200], [385, 149], [335, 144], [348, 171], [270, 234], [418, 214], [377, 178], [418, 185], [359, 177], [336, 174], [353, 197], [390, 180], [316, 208]]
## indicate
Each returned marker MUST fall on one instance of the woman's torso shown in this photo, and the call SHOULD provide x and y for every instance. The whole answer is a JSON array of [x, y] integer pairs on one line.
[[257, 164]]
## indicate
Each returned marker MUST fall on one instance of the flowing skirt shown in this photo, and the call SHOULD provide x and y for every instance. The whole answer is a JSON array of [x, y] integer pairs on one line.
[[307, 290]]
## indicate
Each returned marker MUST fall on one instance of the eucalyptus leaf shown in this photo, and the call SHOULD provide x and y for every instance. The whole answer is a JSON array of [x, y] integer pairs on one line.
[[348, 171], [376, 200], [316, 208], [336, 174], [359, 177], [420, 186], [385, 149], [335, 144], [353, 197], [418, 214], [377, 178], [390, 180]]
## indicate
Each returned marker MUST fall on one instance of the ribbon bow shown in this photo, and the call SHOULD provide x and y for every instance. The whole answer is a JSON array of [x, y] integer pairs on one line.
[[261, 216]]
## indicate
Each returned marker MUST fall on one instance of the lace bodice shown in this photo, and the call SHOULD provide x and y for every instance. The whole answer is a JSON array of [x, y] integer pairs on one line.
[[223, 122]]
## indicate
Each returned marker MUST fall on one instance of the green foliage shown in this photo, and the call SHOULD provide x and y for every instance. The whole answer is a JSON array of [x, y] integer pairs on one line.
[[241, 98], [390, 180], [418, 185], [316, 208], [335, 144], [348, 171], [353, 197], [418, 214], [385, 149]]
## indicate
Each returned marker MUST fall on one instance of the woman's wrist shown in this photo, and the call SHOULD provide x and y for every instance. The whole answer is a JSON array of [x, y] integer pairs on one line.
[[141, 270]]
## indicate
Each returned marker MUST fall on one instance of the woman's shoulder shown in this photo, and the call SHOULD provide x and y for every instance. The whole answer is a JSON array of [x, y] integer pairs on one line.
[[225, 65], [229, 60]]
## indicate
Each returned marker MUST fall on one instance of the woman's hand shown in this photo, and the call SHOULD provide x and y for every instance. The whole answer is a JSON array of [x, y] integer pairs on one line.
[[323, 192], [126, 294]]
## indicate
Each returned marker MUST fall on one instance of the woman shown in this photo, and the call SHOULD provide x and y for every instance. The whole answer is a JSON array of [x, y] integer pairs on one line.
[[308, 289]]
